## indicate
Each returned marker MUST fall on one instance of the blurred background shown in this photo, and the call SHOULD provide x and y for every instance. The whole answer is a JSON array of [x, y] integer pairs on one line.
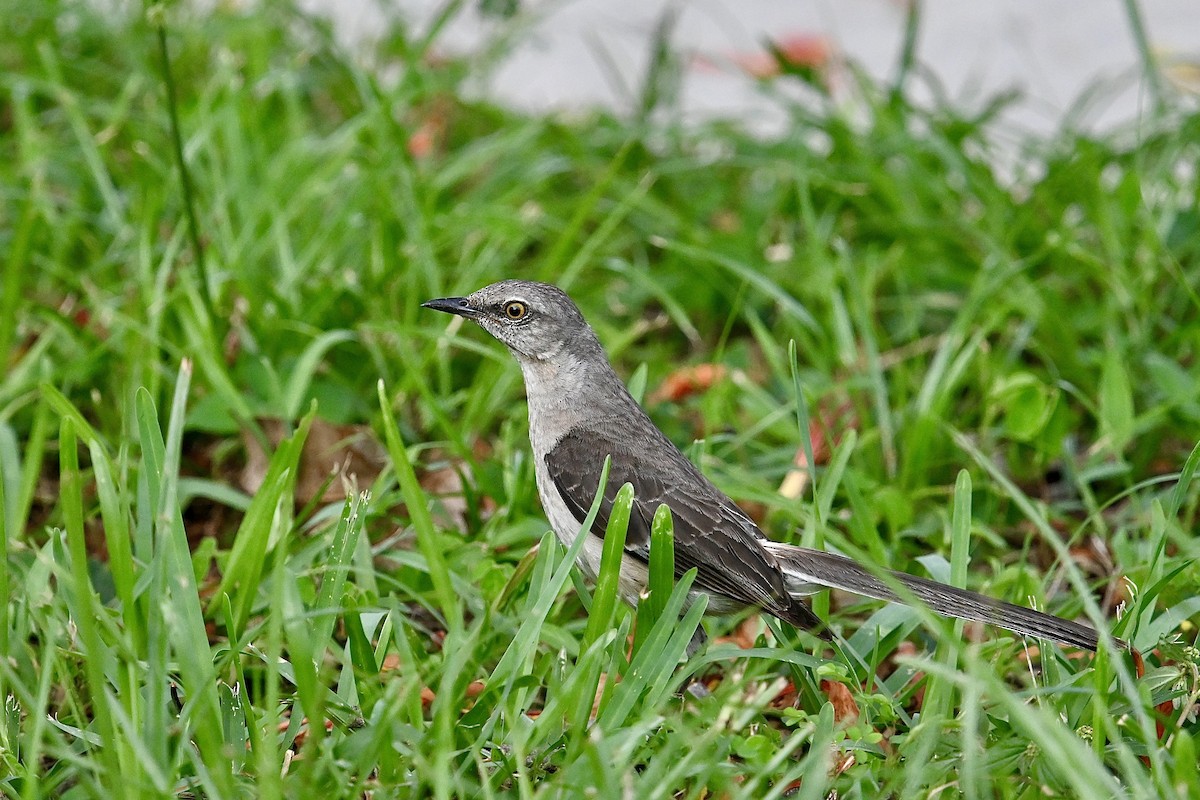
[[1070, 60], [916, 282]]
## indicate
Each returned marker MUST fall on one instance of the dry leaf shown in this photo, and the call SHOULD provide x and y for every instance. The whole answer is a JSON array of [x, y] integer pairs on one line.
[[786, 697], [349, 452], [687, 381], [1183, 73], [725, 221], [838, 420], [430, 133], [473, 690], [845, 710], [446, 485], [841, 763], [423, 140], [600, 684], [745, 634]]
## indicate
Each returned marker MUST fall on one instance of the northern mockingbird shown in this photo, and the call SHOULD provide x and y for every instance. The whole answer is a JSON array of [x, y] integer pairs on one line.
[[580, 412]]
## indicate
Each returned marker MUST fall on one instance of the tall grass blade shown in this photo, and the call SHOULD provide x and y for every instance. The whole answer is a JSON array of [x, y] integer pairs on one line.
[[418, 511], [662, 575]]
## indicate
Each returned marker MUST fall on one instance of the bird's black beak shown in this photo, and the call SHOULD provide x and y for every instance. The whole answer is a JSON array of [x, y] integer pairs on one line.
[[452, 305]]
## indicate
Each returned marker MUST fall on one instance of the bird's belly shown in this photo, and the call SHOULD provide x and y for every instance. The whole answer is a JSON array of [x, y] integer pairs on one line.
[[562, 521]]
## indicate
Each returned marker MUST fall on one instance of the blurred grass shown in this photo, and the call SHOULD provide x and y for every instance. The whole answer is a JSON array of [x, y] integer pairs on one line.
[[1037, 330]]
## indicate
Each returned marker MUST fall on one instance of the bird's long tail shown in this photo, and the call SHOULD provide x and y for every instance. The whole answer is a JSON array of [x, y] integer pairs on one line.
[[807, 570]]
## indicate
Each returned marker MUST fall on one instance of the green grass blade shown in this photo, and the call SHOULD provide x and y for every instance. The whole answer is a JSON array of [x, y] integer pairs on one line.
[[648, 675], [186, 631], [15, 268], [84, 612], [805, 430], [662, 575], [939, 693], [301, 375], [9, 470], [269, 511], [1186, 476], [116, 513], [336, 568], [418, 510], [608, 581], [553, 263], [546, 590], [814, 531]]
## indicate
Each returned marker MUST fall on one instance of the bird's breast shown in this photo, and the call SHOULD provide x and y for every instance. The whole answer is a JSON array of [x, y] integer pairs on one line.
[[562, 521]]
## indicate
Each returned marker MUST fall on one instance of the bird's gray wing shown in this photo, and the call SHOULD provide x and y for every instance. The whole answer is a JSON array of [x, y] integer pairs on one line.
[[711, 533]]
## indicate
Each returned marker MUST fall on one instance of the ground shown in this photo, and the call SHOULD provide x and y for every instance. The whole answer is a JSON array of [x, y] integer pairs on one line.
[[862, 327]]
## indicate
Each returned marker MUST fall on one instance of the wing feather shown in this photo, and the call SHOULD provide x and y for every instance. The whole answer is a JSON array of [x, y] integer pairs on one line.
[[711, 533]]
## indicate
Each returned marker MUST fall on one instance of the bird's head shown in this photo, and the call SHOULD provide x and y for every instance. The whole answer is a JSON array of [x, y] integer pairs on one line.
[[536, 321]]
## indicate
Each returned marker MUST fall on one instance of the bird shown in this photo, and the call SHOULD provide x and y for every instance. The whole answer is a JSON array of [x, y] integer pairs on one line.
[[581, 413]]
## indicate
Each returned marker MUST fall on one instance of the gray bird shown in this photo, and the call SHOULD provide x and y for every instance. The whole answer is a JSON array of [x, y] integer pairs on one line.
[[580, 412]]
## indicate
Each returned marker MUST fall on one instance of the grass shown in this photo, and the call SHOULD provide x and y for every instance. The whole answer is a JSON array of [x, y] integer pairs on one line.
[[995, 380]]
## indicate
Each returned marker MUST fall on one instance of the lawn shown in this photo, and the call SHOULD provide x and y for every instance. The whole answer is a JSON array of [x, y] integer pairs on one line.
[[866, 331]]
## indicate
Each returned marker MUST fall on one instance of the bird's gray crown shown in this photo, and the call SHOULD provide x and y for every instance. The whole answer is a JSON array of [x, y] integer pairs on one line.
[[536, 321]]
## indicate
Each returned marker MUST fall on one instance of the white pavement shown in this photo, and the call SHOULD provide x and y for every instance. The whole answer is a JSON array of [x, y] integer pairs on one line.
[[576, 54]]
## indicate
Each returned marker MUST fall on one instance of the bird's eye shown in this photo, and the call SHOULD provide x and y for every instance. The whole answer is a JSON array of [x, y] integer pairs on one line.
[[515, 310]]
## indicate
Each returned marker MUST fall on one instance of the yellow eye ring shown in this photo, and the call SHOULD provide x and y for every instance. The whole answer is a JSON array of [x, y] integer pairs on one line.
[[515, 310]]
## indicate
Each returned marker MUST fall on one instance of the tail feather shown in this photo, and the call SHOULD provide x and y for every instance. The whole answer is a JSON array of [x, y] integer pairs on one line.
[[806, 570]]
